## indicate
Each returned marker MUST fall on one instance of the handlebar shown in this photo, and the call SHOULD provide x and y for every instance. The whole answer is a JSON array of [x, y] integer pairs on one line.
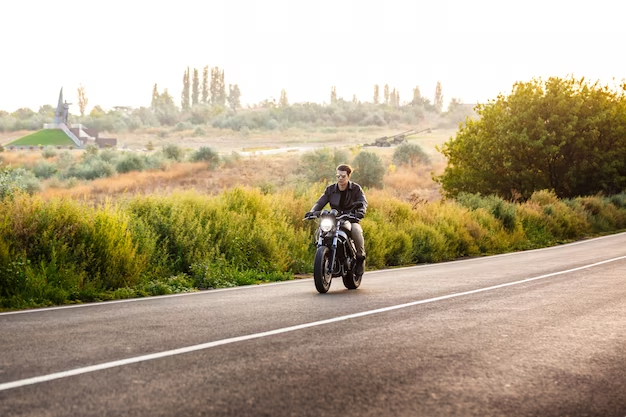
[[317, 214]]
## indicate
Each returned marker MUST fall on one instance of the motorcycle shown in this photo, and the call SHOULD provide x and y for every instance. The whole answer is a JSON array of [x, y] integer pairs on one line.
[[336, 254]]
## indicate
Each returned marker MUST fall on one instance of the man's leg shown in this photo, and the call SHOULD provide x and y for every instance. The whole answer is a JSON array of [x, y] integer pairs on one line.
[[359, 243]]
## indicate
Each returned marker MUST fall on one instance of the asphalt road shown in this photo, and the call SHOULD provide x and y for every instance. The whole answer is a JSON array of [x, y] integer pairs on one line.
[[537, 333]]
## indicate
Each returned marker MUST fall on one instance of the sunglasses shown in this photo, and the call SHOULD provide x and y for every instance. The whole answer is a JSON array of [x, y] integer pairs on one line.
[[342, 176]]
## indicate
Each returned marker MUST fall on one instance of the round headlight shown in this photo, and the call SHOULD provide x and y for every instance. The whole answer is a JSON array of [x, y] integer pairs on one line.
[[326, 225]]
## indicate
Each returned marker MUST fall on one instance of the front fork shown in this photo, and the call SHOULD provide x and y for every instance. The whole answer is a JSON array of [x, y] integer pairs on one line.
[[333, 248]]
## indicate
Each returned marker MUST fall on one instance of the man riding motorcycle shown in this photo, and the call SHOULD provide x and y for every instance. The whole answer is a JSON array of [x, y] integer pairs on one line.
[[346, 196]]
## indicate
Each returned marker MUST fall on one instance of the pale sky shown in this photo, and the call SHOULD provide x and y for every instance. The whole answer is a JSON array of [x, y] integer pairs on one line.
[[477, 49]]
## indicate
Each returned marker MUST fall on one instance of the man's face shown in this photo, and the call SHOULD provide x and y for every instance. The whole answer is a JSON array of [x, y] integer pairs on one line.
[[342, 178]]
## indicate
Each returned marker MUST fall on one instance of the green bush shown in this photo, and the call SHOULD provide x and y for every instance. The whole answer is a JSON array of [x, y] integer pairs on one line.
[[173, 152], [207, 154], [91, 169], [368, 170], [49, 152], [128, 162], [410, 154], [44, 169], [320, 165]]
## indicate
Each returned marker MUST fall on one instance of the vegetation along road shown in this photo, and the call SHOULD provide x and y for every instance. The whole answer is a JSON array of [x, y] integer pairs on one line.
[[529, 333]]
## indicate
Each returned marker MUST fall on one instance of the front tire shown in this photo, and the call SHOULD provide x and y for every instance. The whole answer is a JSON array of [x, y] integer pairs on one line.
[[321, 270]]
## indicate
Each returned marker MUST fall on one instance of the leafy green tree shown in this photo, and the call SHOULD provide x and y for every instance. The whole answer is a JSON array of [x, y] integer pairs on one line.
[[205, 85], [23, 113], [333, 95], [195, 88], [184, 97], [165, 109], [369, 170], [320, 165], [438, 101], [564, 135], [376, 94], [46, 110], [386, 94]]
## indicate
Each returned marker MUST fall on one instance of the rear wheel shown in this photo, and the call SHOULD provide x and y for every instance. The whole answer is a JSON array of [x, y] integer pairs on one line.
[[351, 281], [321, 270]]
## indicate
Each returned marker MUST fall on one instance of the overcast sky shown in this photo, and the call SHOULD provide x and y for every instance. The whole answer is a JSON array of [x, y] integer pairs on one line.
[[477, 49]]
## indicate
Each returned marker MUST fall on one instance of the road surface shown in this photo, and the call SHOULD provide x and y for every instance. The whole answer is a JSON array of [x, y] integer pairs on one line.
[[536, 333]]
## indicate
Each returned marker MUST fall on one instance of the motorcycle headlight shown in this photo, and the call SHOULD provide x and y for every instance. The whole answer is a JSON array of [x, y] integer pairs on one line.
[[326, 225]]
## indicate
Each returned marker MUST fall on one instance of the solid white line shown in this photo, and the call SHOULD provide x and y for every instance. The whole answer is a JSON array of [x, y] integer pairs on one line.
[[245, 287], [180, 351]]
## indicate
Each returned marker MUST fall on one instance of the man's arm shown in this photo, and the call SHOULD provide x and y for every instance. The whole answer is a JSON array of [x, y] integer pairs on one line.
[[322, 201]]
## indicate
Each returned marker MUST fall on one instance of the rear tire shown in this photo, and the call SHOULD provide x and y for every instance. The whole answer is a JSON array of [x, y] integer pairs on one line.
[[350, 280], [321, 274]]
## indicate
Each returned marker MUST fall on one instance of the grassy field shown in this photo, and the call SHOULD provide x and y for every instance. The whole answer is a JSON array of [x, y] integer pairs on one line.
[[275, 172], [45, 137]]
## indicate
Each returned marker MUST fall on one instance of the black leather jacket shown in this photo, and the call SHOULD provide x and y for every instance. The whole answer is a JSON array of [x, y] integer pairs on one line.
[[355, 201]]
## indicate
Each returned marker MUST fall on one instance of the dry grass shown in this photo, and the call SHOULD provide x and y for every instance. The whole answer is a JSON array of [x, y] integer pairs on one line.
[[414, 184], [270, 171]]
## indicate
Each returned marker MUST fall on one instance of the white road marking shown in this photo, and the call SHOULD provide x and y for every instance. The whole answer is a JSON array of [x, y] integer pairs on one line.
[[188, 349]]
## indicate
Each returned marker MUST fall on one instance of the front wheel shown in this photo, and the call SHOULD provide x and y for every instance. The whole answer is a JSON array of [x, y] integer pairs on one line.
[[351, 281], [321, 270]]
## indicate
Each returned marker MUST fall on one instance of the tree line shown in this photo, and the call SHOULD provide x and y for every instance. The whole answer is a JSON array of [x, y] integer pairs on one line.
[[207, 99]]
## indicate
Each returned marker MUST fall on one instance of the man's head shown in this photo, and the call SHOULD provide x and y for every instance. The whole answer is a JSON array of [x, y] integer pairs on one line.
[[343, 174]]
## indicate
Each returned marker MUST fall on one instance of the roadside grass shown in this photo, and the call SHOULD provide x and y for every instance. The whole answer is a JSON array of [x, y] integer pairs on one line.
[[67, 250]]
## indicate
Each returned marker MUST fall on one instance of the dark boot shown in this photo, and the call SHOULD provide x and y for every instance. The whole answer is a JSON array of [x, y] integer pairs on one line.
[[359, 269]]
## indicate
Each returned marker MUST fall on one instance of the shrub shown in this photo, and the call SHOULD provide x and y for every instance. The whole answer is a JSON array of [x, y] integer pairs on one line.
[[92, 169], [44, 169], [410, 154], [368, 170], [319, 165], [128, 162], [173, 152], [207, 154], [49, 152]]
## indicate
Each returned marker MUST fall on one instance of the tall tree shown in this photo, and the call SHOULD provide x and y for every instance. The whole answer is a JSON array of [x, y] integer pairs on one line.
[[82, 99], [217, 88], [394, 98], [222, 89], [184, 96], [417, 97], [283, 102], [205, 85], [234, 97], [376, 94], [155, 97], [438, 101], [333, 95], [354, 99], [195, 88], [386, 94]]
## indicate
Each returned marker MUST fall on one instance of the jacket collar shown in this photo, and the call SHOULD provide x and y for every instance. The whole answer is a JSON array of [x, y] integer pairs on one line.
[[337, 190]]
